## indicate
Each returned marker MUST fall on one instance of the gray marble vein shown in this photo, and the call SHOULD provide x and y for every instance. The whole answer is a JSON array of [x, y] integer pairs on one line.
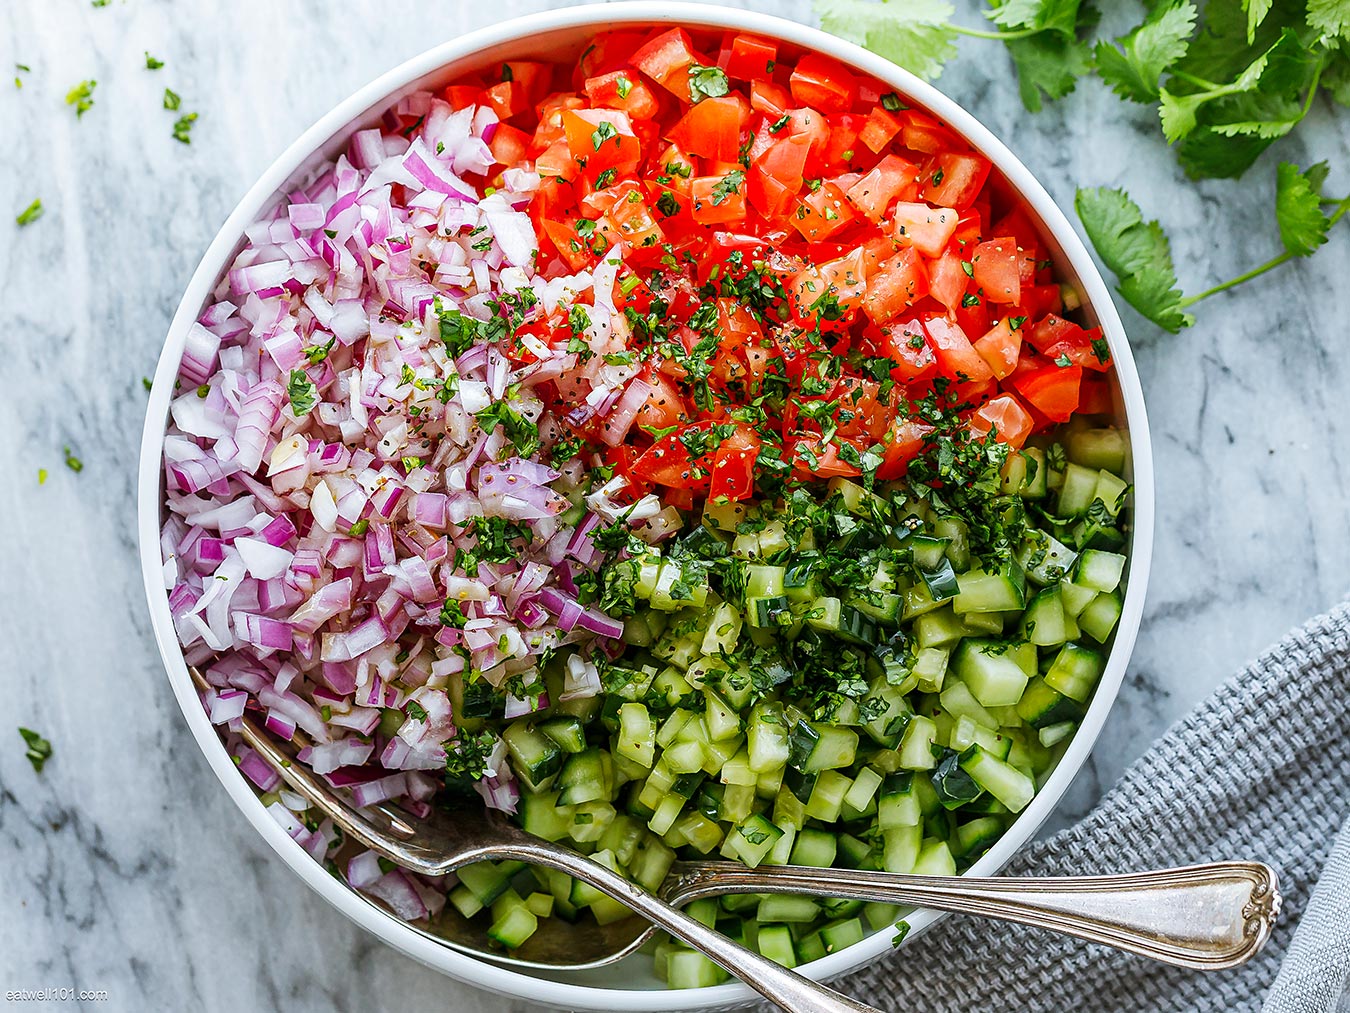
[[123, 866]]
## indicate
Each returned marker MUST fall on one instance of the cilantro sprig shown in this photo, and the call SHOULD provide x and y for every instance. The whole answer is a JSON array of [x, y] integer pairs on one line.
[[1140, 256]]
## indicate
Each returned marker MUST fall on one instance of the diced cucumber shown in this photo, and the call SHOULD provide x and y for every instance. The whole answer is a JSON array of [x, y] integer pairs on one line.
[[955, 786], [815, 848], [1042, 705], [691, 969], [752, 840], [814, 746], [1099, 570], [1103, 449], [993, 676], [764, 581], [916, 745], [775, 942], [1075, 671], [1077, 491], [900, 848], [637, 734], [771, 613], [975, 836], [930, 666], [513, 921], [1043, 622], [1101, 616], [1044, 558], [827, 796], [723, 630], [1002, 780], [534, 756], [991, 591], [940, 628], [935, 859], [957, 699], [841, 935], [898, 802], [1075, 598], [864, 788], [583, 778]]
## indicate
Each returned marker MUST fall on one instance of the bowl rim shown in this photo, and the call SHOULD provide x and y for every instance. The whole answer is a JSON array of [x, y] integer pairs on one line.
[[482, 973]]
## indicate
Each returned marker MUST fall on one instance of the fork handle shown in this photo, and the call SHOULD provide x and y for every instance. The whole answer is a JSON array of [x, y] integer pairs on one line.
[[1204, 917], [786, 989]]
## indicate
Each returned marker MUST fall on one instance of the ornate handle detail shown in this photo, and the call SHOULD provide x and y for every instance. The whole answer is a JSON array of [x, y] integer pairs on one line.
[[1205, 917]]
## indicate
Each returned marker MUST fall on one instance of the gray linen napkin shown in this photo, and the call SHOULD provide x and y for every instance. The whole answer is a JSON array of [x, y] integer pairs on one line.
[[1259, 770]]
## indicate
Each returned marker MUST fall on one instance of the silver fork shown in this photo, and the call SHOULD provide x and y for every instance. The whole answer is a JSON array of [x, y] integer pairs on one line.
[[1205, 917]]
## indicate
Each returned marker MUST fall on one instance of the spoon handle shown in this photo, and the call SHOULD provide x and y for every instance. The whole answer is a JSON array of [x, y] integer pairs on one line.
[[1205, 917], [786, 989]]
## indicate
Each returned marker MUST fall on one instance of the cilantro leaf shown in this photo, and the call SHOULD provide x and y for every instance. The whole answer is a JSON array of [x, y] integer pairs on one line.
[[1137, 252], [1331, 17], [1279, 72], [31, 213], [1048, 63], [913, 33], [1298, 208], [81, 97], [707, 82], [1134, 70], [1256, 13], [1038, 15], [38, 750], [303, 393]]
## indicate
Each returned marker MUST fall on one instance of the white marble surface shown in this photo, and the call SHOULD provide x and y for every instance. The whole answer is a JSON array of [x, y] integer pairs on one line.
[[123, 866]]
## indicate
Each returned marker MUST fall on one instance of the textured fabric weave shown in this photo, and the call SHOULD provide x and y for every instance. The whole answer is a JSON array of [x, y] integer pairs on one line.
[[1259, 770]]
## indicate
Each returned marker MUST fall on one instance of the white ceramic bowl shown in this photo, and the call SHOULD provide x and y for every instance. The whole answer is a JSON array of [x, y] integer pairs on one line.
[[558, 34]]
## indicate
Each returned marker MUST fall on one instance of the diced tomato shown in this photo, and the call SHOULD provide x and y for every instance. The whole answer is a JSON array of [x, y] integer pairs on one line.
[[953, 180], [923, 133], [461, 96], [1050, 389], [664, 407], [1094, 397], [1054, 337], [1005, 415], [949, 279], [821, 214], [907, 346], [534, 77], [824, 84], [889, 179], [995, 263], [509, 144], [603, 137], [667, 462], [610, 51], [507, 99], [712, 128], [733, 467], [999, 347], [785, 160], [895, 287], [810, 459], [770, 99], [750, 58], [880, 128], [927, 229], [719, 199], [956, 356], [666, 59], [904, 442], [622, 89]]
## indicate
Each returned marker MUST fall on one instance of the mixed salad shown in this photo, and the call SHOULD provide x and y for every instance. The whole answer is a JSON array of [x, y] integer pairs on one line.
[[688, 450]]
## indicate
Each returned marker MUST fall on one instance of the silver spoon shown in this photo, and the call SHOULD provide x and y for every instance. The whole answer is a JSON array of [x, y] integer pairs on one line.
[[1204, 917]]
